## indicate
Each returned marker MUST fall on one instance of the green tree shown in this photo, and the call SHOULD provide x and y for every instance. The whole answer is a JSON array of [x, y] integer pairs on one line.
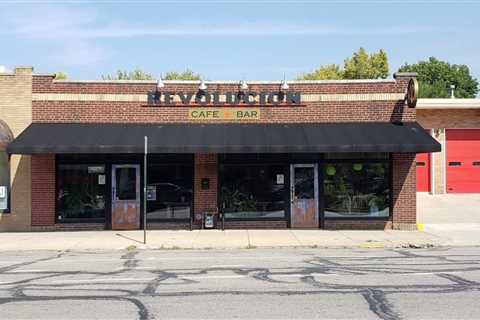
[[185, 75], [435, 78], [327, 72], [60, 76], [136, 74], [361, 65]]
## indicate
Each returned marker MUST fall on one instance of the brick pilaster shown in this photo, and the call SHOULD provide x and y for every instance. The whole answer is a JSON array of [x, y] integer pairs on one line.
[[404, 195], [205, 167], [43, 190]]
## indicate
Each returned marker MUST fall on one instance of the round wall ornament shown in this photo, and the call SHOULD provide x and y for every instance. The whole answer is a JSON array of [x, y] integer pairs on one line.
[[412, 93]]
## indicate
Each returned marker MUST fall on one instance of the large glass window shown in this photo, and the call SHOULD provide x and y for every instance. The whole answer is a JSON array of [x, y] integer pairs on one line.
[[253, 191], [355, 190], [169, 191], [81, 192]]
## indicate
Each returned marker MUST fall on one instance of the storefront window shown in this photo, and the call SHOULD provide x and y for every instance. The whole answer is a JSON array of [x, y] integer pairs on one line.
[[169, 191], [4, 180], [356, 190], [81, 192], [253, 191]]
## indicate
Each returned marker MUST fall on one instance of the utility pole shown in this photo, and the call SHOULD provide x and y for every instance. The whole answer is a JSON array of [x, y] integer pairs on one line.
[[145, 191]]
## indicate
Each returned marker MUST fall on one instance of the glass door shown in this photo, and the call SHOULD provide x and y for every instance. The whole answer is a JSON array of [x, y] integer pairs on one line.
[[125, 197], [304, 196]]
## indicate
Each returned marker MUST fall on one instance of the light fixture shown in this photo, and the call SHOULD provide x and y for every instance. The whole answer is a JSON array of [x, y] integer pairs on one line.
[[202, 86], [452, 91], [160, 83], [243, 85]]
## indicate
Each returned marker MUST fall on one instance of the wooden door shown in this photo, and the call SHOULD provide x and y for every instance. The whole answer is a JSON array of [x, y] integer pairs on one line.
[[304, 196], [126, 197]]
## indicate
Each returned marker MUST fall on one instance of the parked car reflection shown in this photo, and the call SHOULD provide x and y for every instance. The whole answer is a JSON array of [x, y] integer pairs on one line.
[[169, 201]]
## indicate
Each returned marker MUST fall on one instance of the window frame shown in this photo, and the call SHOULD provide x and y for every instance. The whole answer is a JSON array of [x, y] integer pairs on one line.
[[388, 161], [192, 206], [260, 162]]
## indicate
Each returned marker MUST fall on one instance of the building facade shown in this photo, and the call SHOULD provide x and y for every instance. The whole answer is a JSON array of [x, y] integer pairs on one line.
[[455, 124], [15, 179], [302, 154]]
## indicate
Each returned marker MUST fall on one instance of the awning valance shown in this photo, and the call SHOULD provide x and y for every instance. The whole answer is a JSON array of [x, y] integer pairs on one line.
[[223, 138]]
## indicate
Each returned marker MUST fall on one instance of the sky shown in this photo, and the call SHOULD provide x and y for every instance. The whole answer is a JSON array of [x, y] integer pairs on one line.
[[230, 40]]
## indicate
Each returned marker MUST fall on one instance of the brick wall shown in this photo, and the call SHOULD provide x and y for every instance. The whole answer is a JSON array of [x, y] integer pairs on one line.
[[136, 111], [43, 190], [16, 112], [404, 191], [205, 168]]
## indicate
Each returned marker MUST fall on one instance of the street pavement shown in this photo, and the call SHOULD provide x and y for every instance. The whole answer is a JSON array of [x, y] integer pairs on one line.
[[301, 283]]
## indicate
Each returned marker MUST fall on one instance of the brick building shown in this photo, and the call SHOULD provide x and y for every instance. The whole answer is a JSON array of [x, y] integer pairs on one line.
[[257, 154], [455, 124], [15, 116]]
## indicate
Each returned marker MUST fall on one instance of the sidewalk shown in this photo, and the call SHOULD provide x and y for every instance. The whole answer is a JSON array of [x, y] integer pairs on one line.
[[216, 239]]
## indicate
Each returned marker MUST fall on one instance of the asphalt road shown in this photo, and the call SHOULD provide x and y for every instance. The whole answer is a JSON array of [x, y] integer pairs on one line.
[[438, 283]]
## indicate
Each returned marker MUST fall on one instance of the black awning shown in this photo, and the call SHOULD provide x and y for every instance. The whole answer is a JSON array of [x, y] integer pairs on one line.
[[223, 138]]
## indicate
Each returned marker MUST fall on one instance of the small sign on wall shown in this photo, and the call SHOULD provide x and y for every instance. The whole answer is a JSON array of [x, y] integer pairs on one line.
[[96, 169], [205, 183], [151, 193], [101, 179], [280, 179]]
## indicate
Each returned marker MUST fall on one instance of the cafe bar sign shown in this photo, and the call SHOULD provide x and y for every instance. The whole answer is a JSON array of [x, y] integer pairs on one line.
[[205, 98], [209, 113]]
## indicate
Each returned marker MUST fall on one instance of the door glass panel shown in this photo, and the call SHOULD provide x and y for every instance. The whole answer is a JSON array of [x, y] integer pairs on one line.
[[304, 183], [125, 184]]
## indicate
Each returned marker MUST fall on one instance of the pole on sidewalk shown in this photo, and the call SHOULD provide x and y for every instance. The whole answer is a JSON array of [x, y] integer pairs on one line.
[[145, 191]]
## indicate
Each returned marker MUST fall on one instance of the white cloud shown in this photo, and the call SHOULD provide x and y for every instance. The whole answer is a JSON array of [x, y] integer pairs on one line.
[[54, 22], [75, 35]]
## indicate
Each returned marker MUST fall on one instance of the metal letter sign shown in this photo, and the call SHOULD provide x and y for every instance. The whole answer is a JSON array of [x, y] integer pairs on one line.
[[204, 98]]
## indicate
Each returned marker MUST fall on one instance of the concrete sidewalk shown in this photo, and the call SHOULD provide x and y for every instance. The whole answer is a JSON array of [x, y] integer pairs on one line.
[[210, 239]]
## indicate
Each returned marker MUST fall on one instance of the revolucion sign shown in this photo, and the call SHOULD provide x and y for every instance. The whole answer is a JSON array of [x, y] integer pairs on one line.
[[227, 98]]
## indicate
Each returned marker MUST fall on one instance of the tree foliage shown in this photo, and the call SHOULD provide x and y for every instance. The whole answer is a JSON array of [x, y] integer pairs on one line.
[[136, 74], [326, 72], [60, 76], [361, 65], [436, 76], [185, 75]]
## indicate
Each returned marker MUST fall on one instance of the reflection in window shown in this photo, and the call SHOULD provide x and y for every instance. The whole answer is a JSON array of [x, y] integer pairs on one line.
[[253, 191], [126, 183], [81, 192], [305, 183], [356, 190], [169, 191]]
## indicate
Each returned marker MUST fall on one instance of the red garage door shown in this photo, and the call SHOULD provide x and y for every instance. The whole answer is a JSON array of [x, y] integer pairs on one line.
[[463, 160], [423, 172]]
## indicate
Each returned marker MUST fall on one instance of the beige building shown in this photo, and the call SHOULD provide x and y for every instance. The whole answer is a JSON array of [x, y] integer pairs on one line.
[[455, 123], [15, 116]]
